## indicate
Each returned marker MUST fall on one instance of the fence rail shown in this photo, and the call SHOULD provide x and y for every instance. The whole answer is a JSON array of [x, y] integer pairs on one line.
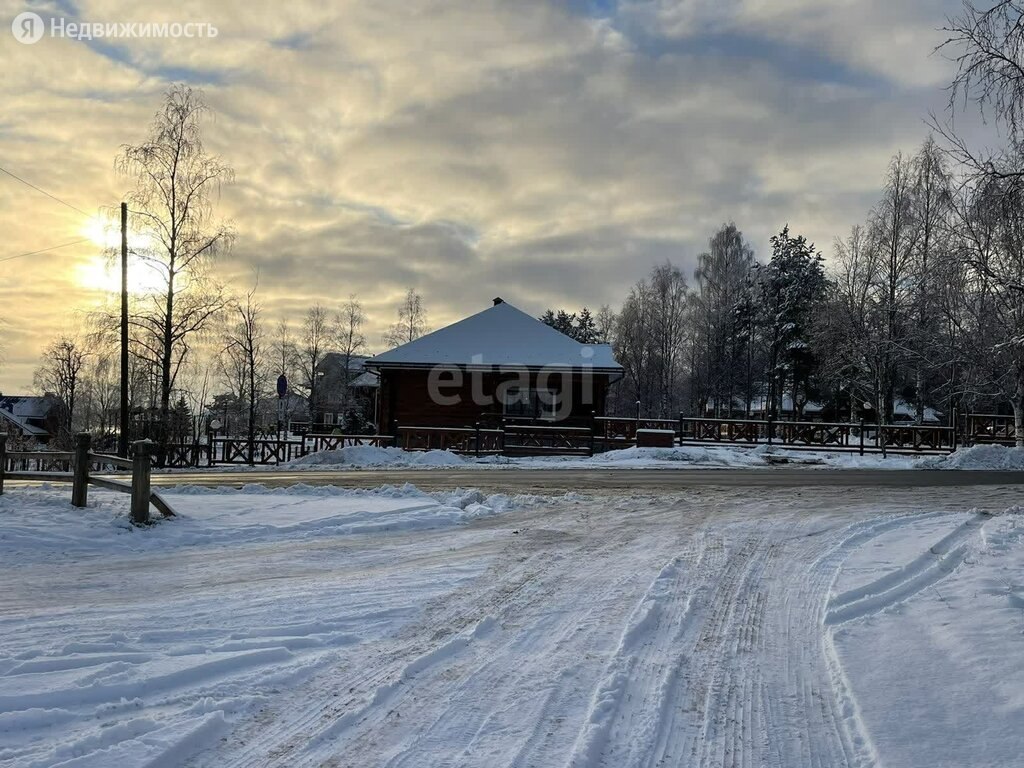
[[539, 440], [991, 428], [861, 437], [79, 473], [470, 440]]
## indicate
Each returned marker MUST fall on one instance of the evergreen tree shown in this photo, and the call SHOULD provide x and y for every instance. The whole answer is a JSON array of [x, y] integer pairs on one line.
[[586, 331], [791, 287]]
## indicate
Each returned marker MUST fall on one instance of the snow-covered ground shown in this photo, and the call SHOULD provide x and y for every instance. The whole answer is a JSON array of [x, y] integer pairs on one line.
[[712, 457], [319, 626]]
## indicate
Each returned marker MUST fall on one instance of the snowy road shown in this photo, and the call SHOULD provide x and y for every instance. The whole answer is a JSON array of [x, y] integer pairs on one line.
[[711, 628]]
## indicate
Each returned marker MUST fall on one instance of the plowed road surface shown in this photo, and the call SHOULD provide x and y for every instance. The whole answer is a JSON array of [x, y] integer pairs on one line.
[[687, 631]]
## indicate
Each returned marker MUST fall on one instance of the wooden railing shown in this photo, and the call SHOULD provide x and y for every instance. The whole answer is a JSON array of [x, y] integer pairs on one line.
[[523, 440], [311, 443], [80, 463], [722, 430], [469, 440], [917, 437], [612, 429], [991, 428], [813, 433], [818, 434]]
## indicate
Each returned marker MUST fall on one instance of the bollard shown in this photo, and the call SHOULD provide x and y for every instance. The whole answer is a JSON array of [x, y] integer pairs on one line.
[[141, 466], [3, 460], [80, 470]]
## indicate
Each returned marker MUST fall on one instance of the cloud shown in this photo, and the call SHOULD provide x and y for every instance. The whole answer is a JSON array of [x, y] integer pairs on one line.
[[550, 152]]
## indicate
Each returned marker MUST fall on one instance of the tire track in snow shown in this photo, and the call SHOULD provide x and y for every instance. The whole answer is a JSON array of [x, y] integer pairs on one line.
[[635, 672], [511, 586], [718, 656], [930, 567]]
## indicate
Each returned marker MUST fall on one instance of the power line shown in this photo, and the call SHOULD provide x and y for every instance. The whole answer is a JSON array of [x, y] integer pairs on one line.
[[44, 192], [44, 250]]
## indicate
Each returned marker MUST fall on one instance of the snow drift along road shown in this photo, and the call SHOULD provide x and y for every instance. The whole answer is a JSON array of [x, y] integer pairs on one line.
[[996, 457]]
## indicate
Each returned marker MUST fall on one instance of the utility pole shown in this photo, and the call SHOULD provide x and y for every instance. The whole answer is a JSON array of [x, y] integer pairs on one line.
[[122, 438]]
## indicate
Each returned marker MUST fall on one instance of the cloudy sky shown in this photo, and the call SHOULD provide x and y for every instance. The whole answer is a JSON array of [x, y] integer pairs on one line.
[[550, 152]]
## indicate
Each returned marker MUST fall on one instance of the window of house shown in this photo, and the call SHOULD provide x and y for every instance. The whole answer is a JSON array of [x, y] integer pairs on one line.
[[527, 402], [328, 418]]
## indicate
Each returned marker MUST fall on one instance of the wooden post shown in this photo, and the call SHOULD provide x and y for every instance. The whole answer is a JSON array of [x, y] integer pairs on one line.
[[771, 429], [862, 437], [141, 466], [3, 460], [80, 470], [956, 429], [680, 427], [638, 414], [478, 439]]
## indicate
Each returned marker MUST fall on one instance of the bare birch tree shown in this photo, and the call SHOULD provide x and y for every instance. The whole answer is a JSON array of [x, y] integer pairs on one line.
[[351, 342], [176, 184], [63, 362], [316, 337], [244, 359], [411, 323]]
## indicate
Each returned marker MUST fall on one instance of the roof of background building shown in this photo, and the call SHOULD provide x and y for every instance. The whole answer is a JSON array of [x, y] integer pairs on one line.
[[19, 410], [499, 336]]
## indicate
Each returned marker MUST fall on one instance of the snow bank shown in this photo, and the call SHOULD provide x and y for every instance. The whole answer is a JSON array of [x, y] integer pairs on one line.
[[39, 523], [689, 456], [686, 454], [977, 457], [357, 456]]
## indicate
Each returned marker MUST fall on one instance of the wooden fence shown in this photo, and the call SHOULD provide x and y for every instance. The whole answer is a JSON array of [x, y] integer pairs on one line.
[[76, 467], [468, 440], [862, 438], [991, 428]]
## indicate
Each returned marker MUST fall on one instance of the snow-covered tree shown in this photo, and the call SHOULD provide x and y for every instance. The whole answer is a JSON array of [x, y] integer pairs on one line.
[[790, 288]]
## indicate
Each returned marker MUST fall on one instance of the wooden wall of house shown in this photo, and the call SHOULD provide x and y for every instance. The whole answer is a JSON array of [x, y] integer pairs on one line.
[[405, 397]]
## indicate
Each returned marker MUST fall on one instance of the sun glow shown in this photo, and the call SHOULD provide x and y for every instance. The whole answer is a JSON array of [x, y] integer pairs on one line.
[[102, 272]]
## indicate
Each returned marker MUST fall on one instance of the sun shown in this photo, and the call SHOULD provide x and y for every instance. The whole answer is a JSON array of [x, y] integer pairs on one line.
[[102, 271]]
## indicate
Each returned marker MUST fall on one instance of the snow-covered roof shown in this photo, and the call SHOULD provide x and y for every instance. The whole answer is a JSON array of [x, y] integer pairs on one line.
[[18, 410], [909, 411], [758, 404], [365, 379], [503, 336]]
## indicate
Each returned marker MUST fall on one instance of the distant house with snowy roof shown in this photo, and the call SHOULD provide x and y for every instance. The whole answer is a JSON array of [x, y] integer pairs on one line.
[[500, 363], [345, 384], [32, 417]]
